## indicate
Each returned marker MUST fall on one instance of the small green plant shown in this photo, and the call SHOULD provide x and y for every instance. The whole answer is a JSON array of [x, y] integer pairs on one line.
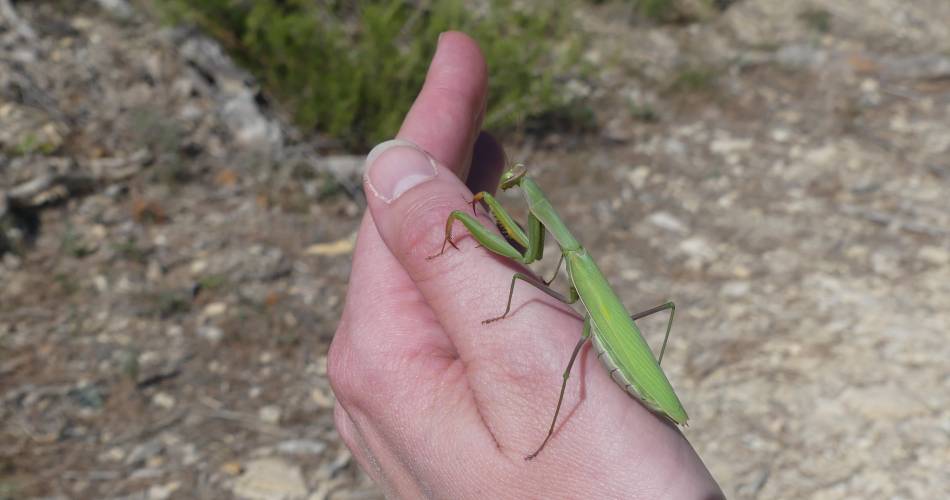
[[32, 143], [816, 19], [676, 11], [350, 70], [330, 187], [167, 303], [8, 489], [73, 244], [87, 396], [68, 283], [212, 281], [152, 129], [7, 244], [694, 79], [657, 10], [129, 364], [643, 112], [130, 250]]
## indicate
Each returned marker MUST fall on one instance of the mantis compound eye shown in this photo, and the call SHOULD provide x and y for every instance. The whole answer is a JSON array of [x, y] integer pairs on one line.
[[512, 177]]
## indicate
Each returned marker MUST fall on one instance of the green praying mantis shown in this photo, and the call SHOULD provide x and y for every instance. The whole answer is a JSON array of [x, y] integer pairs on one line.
[[616, 338]]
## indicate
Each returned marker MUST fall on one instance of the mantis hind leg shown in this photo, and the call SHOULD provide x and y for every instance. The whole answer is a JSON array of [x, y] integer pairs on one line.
[[567, 373], [669, 305], [556, 270], [540, 285]]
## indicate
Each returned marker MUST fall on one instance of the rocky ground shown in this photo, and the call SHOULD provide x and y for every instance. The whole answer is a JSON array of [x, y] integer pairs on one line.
[[175, 256]]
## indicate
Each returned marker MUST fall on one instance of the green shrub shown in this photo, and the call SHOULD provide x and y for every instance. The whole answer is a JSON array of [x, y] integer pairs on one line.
[[673, 11], [351, 69], [816, 19], [694, 79], [657, 10]]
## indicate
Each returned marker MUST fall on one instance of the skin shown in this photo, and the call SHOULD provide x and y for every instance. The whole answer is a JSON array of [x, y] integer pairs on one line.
[[434, 404]]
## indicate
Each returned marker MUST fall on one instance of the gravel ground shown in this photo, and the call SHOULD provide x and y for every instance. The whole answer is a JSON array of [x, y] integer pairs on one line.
[[175, 256]]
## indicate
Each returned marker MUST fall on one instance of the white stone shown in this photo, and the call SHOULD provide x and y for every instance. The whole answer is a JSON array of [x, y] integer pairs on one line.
[[269, 414], [699, 248], [101, 283], [638, 176], [212, 334], [730, 145], [883, 403], [163, 491], [667, 221], [935, 255], [781, 135], [214, 309], [270, 479], [302, 447], [198, 266], [164, 400], [736, 288]]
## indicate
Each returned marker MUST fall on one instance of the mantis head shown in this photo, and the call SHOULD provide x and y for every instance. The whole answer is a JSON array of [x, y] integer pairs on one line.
[[512, 177]]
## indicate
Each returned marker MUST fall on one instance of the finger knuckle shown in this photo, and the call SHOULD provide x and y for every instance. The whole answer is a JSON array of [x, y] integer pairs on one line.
[[357, 375]]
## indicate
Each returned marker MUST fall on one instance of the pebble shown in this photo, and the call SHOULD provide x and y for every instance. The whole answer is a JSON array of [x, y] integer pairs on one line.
[[231, 468], [214, 309], [115, 454], [736, 288], [730, 145], [211, 333], [321, 398], [883, 403], [302, 447], [249, 126], [638, 176], [665, 220], [699, 248], [934, 255], [330, 249], [270, 479], [269, 414], [163, 491], [345, 166], [164, 400], [142, 452], [198, 266]]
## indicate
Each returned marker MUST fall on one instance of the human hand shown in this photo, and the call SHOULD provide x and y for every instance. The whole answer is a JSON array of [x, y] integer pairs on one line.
[[432, 402]]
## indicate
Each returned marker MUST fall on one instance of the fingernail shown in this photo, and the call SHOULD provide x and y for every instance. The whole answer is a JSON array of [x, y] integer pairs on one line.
[[396, 166]]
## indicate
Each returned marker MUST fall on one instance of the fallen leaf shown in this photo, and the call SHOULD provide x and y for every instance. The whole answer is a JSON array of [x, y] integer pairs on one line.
[[339, 247]]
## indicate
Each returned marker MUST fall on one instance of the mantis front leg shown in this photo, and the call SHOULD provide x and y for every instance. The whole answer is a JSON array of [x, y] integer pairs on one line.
[[532, 240], [485, 236]]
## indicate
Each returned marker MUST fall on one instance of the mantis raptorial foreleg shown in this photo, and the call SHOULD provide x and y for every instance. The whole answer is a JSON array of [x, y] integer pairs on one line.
[[482, 234], [533, 241]]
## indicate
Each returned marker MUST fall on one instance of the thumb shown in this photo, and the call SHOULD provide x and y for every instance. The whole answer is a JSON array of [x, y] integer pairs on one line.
[[410, 195]]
